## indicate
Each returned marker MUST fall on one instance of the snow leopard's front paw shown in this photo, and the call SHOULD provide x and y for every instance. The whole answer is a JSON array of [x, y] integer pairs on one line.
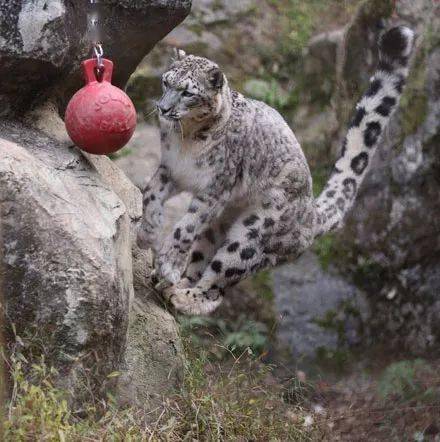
[[193, 301], [170, 264], [145, 240], [148, 234]]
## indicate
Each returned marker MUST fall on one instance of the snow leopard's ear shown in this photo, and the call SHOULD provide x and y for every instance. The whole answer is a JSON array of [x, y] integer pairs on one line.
[[216, 78], [179, 54]]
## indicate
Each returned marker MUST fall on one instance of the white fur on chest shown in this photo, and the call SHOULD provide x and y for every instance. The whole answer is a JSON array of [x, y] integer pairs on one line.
[[182, 164]]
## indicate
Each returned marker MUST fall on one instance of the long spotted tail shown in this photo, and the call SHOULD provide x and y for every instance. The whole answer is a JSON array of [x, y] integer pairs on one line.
[[372, 115]]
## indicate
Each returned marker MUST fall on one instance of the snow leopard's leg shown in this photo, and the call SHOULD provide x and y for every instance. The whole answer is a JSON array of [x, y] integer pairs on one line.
[[247, 249], [203, 250], [173, 255], [241, 253], [159, 189]]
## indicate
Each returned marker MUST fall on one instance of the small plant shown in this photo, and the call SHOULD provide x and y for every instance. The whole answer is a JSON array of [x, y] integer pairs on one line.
[[262, 284], [225, 338], [251, 337], [37, 407], [404, 381], [320, 177], [268, 91]]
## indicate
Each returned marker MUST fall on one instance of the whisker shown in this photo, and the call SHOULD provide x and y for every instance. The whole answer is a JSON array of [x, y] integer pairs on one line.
[[181, 129], [151, 113]]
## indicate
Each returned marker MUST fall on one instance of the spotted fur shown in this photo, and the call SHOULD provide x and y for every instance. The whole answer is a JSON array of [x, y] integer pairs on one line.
[[252, 203], [371, 117]]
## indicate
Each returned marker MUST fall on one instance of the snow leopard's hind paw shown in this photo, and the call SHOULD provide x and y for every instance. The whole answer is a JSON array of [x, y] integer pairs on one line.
[[193, 301]]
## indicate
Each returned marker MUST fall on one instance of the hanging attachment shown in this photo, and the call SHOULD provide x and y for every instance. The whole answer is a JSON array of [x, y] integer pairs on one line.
[[99, 54]]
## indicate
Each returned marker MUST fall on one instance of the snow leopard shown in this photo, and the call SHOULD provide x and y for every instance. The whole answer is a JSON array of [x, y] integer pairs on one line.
[[252, 203]]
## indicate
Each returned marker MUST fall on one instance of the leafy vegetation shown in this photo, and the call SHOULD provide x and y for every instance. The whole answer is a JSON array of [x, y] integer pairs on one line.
[[37, 408], [298, 22], [271, 92]]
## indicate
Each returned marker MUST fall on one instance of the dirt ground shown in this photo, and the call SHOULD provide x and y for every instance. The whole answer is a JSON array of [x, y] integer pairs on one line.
[[380, 399]]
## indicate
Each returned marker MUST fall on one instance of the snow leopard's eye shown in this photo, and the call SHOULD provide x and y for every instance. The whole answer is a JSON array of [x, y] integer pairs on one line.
[[165, 84], [187, 94]]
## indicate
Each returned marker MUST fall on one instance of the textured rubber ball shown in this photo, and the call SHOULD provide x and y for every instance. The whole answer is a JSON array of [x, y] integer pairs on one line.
[[100, 118]]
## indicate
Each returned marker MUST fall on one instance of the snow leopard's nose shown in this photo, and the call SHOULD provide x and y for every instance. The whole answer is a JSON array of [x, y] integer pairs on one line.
[[167, 102], [164, 109]]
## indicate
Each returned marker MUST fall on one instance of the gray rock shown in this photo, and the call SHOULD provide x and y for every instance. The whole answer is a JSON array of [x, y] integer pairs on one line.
[[43, 42], [153, 363], [319, 61], [318, 311], [217, 11], [390, 246], [140, 158], [67, 252], [68, 222]]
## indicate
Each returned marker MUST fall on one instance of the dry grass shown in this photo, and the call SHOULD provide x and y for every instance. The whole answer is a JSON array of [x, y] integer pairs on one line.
[[237, 400]]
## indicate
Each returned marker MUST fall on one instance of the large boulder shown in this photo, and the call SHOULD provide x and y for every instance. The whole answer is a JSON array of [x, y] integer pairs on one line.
[[320, 313], [67, 251], [43, 42], [69, 218], [68, 224]]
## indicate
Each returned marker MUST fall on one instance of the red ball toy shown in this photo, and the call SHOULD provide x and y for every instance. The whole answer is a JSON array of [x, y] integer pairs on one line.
[[100, 118]]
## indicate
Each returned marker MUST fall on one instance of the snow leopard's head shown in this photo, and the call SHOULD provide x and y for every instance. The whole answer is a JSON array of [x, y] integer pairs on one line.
[[192, 89]]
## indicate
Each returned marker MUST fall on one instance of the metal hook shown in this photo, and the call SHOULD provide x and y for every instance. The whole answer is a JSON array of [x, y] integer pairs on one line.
[[99, 53]]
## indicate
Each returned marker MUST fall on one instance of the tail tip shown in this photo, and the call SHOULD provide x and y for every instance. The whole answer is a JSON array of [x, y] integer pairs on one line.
[[397, 42]]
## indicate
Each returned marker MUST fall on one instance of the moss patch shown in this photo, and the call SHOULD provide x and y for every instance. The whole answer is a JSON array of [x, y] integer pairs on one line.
[[262, 284], [326, 249], [414, 101]]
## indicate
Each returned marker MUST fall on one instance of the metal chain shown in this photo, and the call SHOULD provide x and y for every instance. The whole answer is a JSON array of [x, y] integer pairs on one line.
[[94, 23]]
